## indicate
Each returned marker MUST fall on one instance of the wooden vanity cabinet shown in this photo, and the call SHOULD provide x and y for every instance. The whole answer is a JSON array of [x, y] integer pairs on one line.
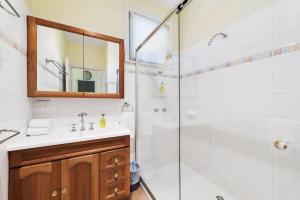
[[93, 170], [35, 182], [80, 178]]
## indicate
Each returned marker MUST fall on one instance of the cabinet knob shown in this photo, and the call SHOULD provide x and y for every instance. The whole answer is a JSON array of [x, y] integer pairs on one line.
[[116, 175], [116, 160], [54, 193], [116, 190], [64, 190]]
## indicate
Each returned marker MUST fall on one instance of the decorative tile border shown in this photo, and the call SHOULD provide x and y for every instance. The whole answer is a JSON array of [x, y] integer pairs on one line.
[[248, 59], [12, 43]]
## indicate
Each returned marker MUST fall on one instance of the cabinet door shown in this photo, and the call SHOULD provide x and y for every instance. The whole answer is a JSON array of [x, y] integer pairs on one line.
[[80, 178], [35, 182]]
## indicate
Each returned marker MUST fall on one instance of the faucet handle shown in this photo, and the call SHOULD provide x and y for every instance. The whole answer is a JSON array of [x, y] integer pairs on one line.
[[91, 126], [82, 114], [73, 127]]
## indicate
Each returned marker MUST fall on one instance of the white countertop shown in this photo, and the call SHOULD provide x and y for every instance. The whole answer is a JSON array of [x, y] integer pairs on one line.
[[63, 135]]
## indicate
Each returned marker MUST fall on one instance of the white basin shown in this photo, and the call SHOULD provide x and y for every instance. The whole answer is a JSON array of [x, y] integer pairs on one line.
[[63, 135]]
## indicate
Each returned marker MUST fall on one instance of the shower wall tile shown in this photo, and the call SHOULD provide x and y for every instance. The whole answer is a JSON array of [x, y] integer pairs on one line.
[[259, 83], [259, 104], [261, 66], [235, 104], [287, 178], [287, 73], [281, 193], [286, 163], [286, 106], [257, 188], [285, 24]]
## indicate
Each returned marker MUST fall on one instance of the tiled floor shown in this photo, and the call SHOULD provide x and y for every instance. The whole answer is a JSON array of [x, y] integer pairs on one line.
[[140, 194]]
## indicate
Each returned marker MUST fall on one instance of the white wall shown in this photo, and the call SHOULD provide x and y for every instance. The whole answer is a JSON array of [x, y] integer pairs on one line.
[[15, 107], [233, 113], [104, 16]]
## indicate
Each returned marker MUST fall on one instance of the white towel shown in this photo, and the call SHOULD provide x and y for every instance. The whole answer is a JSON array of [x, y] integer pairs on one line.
[[40, 123], [37, 131]]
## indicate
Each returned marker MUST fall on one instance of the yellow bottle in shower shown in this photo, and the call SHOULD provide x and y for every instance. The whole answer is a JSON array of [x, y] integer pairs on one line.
[[162, 88], [102, 122]]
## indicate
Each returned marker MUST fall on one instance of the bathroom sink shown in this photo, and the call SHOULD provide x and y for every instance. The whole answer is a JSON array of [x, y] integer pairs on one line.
[[63, 135]]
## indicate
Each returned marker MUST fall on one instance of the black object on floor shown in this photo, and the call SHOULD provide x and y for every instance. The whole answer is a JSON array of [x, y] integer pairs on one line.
[[134, 176], [134, 187]]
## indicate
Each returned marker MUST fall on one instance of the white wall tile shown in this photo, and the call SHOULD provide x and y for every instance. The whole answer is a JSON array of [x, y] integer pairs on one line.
[[287, 106], [259, 83], [259, 104], [287, 73], [249, 106]]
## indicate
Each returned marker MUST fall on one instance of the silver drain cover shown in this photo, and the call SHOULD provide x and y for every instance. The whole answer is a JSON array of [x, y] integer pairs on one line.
[[220, 198]]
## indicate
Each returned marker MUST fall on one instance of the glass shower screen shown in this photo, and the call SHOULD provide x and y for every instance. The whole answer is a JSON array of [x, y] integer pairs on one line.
[[157, 80], [240, 78], [221, 119]]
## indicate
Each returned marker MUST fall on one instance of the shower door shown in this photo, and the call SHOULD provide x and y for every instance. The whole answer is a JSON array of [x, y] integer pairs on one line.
[[240, 100], [157, 103]]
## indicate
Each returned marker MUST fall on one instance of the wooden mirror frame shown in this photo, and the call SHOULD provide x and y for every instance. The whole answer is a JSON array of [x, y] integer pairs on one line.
[[32, 23]]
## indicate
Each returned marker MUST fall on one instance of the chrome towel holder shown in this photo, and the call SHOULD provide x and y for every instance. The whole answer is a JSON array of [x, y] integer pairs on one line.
[[12, 12], [5, 138]]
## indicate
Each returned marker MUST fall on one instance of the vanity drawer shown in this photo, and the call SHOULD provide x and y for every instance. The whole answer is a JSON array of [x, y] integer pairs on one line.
[[113, 159], [38, 155], [114, 175], [115, 191]]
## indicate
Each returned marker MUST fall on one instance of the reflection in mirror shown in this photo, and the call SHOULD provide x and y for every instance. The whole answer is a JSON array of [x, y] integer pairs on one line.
[[59, 60], [101, 66]]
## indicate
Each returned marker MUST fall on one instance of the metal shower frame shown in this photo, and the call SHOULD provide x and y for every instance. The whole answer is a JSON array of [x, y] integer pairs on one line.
[[176, 10]]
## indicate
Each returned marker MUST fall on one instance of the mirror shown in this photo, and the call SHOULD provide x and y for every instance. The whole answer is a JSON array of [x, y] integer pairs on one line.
[[59, 60], [65, 61], [101, 66]]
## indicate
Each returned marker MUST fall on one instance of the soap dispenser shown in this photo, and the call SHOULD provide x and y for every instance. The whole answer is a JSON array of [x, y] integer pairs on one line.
[[102, 122], [162, 89]]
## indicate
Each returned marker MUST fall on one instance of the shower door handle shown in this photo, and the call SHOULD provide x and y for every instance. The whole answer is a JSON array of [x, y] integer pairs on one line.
[[280, 145]]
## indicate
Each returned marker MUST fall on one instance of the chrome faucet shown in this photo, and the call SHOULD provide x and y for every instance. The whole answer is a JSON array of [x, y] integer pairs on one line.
[[82, 115]]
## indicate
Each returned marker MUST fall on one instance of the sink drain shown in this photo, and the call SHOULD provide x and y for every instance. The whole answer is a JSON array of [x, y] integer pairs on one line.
[[220, 198]]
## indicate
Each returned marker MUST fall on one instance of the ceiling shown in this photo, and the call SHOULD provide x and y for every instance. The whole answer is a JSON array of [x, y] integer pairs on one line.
[[169, 3]]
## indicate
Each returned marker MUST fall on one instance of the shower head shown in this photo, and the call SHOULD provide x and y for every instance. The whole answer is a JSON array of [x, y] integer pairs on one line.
[[57, 65], [222, 35]]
